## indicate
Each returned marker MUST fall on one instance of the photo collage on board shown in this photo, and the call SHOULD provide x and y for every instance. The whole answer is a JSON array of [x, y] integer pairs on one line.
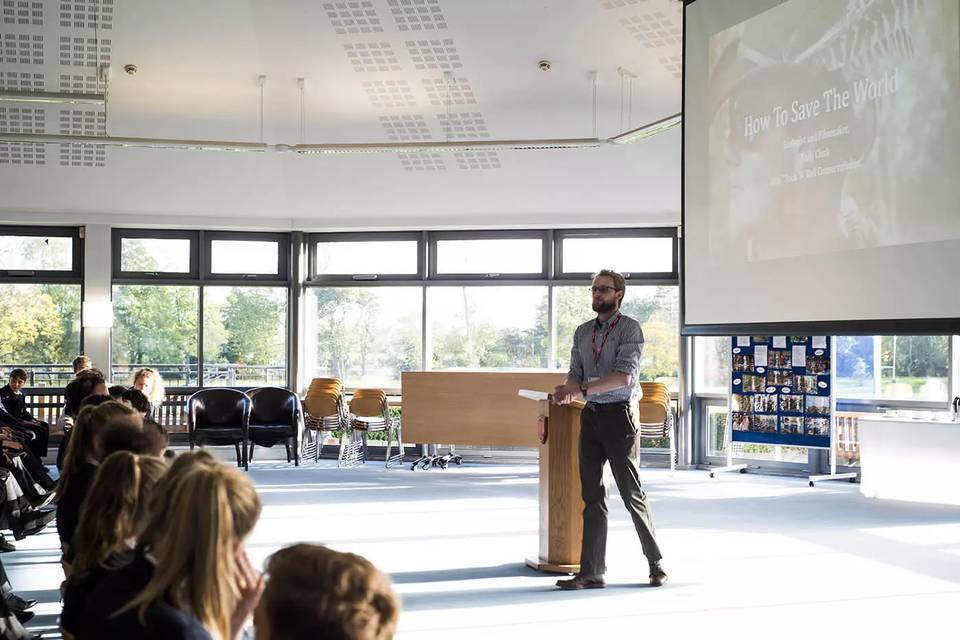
[[781, 387]]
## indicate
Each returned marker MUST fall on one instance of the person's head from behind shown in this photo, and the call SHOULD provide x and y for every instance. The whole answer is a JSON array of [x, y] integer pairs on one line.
[[149, 382], [136, 399], [116, 508], [608, 289], [88, 382], [219, 506], [84, 446], [316, 592], [116, 391], [81, 363], [129, 433]]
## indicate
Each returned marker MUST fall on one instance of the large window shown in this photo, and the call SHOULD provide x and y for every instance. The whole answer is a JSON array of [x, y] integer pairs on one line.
[[244, 336], [488, 327], [654, 307], [156, 326], [643, 253], [40, 331], [488, 255], [366, 336], [184, 304], [40, 284]]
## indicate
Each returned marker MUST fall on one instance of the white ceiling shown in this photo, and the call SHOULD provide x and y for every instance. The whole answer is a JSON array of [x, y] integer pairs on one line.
[[198, 68]]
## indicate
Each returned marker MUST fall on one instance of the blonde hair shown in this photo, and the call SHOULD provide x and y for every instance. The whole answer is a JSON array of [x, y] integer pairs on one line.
[[157, 391], [316, 592], [116, 507], [83, 444], [219, 506]]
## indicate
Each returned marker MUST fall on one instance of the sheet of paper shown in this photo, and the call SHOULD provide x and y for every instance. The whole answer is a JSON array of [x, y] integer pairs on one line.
[[743, 341], [799, 356], [760, 356], [819, 342], [530, 394], [779, 342]]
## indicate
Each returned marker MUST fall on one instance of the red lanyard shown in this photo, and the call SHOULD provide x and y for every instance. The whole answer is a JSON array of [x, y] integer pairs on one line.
[[593, 340]]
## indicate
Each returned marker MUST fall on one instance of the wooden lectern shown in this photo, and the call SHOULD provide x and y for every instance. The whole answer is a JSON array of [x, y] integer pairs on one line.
[[561, 507]]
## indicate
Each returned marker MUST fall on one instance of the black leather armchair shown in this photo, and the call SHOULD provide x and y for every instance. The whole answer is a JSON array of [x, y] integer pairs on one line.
[[276, 417], [220, 417]]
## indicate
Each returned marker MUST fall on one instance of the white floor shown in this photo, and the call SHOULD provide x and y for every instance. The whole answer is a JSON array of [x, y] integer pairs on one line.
[[748, 555]]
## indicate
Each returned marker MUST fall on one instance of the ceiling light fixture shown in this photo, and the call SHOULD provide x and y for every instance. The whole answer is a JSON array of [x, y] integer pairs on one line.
[[647, 130], [627, 137], [52, 97], [118, 141]]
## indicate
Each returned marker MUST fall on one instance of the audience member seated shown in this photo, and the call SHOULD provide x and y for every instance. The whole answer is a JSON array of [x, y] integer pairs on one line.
[[136, 399], [15, 406], [85, 385], [14, 612], [149, 382], [176, 587], [116, 392], [17, 513], [81, 461], [113, 518], [315, 592], [81, 363]]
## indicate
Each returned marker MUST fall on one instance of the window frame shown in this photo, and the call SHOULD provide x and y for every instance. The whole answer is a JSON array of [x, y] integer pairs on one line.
[[640, 277], [74, 275], [326, 279], [434, 237], [283, 256], [146, 277]]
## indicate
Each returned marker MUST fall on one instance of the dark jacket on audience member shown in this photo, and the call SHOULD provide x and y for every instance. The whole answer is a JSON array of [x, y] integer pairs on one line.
[[14, 403], [70, 503], [78, 588], [116, 589]]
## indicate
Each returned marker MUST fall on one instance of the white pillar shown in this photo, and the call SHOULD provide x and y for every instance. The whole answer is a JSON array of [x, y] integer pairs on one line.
[[97, 289]]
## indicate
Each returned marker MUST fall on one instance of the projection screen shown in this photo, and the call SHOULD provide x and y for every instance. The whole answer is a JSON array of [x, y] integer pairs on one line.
[[821, 171]]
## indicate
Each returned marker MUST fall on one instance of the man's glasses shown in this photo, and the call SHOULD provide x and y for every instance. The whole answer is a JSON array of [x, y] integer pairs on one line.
[[603, 289]]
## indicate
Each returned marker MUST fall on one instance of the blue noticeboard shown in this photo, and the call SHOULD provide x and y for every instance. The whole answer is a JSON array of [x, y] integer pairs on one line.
[[781, 390]]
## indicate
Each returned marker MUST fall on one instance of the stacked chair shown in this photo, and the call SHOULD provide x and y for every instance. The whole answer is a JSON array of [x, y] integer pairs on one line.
[[655, 416], [370, 411], [324, 412]]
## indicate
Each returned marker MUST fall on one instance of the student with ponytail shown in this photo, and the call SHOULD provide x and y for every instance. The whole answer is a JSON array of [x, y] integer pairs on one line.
[[191, 578], [80, 465], [115, 514]]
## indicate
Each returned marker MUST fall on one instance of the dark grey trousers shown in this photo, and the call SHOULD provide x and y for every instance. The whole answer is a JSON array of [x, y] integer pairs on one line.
[[608, 434]]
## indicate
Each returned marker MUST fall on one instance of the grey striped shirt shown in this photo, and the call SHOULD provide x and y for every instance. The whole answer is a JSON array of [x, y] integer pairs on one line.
[[621, 353]]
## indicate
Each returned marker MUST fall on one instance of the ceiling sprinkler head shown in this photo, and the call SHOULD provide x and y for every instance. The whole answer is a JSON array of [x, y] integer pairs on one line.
[[544, 65]]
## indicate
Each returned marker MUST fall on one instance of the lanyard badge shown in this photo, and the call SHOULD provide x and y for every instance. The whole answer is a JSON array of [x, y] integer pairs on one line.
[[606, 334]]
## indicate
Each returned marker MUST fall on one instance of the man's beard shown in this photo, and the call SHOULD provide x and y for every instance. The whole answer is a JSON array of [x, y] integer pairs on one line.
[[604, 307]]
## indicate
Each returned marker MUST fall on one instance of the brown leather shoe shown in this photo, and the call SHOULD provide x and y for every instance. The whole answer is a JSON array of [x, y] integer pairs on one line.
[[581, 582], [657, 575]]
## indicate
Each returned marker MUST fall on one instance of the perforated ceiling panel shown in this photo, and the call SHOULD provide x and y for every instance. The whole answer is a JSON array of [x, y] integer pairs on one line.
[[456, 92], [653, 30], [372, 57], [82, 14], [477, 159], [82, 52], [616, 4], [463, 126], [425, 161], [405, 128], [353, 17], [389, 94], [22, 48], [418, 15], [23, 81], [88, 122], [434, 54], [78, 83], [23, 12], [673, 64], [22, 120]]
